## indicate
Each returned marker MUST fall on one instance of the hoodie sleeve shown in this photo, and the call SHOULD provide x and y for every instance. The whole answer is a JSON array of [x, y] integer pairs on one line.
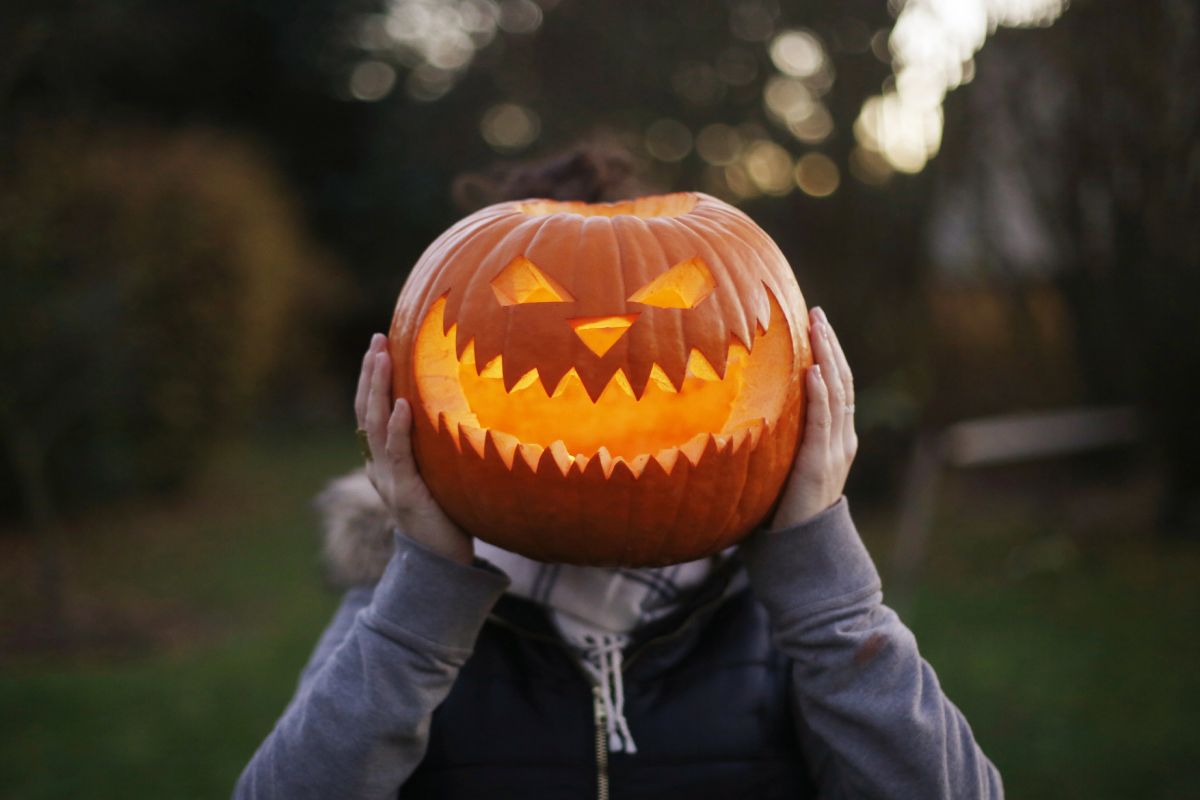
[[874, 721], [358, 724]]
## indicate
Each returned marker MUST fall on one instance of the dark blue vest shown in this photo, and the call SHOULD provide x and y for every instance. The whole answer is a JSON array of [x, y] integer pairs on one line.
[[706, 698]]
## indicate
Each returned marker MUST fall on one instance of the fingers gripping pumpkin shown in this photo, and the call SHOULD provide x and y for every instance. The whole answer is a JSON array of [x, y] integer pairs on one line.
[[604, 384]]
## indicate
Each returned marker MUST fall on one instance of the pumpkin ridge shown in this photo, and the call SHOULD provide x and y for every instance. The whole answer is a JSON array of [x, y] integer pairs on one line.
[[463, 292], [716, 264], [737, 223], [642, 358], [746, 331], [453, 243]]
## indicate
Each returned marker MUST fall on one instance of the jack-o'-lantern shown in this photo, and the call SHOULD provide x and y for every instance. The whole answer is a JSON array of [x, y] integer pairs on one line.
[[606, 384]]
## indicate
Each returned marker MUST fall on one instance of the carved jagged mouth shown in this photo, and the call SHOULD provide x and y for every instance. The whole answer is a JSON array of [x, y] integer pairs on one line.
[[703, 413]]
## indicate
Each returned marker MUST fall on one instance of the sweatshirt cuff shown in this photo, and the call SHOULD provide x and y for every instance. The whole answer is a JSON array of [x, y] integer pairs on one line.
[[812, 567], [433, 597]]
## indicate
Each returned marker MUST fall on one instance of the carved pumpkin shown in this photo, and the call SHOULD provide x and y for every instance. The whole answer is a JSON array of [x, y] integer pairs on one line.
[[607, 384]]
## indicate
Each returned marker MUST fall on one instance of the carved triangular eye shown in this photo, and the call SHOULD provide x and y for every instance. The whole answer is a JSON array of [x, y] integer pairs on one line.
[[682, 286], [522, 282]]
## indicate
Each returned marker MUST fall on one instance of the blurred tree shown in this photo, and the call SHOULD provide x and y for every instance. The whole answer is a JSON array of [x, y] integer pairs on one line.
[[1077, 161], [150, 280], [1131, 155]]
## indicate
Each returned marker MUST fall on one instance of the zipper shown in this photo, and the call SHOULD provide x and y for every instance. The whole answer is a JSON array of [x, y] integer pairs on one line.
[[599, 717], [601, 745]]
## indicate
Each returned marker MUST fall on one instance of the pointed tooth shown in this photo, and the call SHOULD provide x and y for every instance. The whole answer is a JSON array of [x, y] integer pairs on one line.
[[693, 448], [699, 367], [475, 436], [444, 424], [639, 379], [493, 369], [607, 462], [515, 373], [580, 461], [659, 378], [667, 458], [752, 427], [672, 364], [451, 334], [570, 380], [525, 381], [561, 457], [593, 387], [638, 463], [718, 359], [550, 375], [468, 356], [506, 446], [532, 453], [755, 428], [621, 382]]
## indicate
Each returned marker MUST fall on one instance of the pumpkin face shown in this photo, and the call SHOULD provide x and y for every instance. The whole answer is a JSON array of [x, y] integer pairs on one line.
[[604, 384]]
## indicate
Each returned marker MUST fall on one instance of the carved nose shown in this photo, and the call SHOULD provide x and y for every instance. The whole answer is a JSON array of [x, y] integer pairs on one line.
[[601, 333]]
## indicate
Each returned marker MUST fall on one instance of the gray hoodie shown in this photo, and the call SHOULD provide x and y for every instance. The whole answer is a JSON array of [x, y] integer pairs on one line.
[[359, 721]]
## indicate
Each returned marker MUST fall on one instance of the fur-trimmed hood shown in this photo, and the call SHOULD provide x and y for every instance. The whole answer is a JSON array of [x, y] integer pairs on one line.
[[356, 530]]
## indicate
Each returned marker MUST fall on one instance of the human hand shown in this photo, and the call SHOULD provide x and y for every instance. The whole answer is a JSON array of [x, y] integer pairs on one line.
[[829, 442], [390, 465]]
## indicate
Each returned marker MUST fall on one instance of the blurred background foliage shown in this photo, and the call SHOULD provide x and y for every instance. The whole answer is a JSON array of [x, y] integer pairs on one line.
[[154, 283], [206, 208]]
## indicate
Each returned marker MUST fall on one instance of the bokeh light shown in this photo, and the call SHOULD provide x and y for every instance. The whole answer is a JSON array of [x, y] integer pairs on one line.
[[753, 20], [372, 80], [797, 53], [719, 144], [817, 175], [668, 140], [792, 98], [435, 40], [869, 167], [427, 83], [509, 127], [814, 128], [769, 167], [931, 48], [787, 98], [907, 135], [740, 185], [520, 16]]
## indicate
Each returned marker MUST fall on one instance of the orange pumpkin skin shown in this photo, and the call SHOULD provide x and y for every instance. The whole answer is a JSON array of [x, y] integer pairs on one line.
[[606, 384]]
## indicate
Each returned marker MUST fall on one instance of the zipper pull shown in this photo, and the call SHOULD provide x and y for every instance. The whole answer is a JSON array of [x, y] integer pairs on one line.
[[598, 705]]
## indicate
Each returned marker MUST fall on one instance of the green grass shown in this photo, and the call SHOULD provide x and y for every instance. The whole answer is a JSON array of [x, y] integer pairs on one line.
[[1073, 653], [228, 580], [1070, 647]]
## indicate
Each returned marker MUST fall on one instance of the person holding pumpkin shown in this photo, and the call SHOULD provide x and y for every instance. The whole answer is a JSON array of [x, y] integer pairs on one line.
[[455, 668]]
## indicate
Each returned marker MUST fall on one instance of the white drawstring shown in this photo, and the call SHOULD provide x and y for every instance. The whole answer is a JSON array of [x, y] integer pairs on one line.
[[602, 660]]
